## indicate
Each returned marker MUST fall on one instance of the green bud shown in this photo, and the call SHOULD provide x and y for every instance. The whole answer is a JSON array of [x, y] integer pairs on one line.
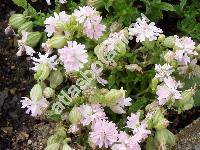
[[75, 115], [58, 136], [95, 3], [159, 121], [154, 83], [149, 44], [169, 42], [165, 137], [161, 38], [42, 72], [54, 146], [27, 27], [56, 78], [113, 96], [120, 47], [115, 27], [198, 48], [187, 101], [57, 41], [36, 92], [16, 20], [66, 147], [49, 92], [33, 39]]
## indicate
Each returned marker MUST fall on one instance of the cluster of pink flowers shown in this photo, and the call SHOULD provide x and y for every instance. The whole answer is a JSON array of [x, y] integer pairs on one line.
[[89, 17], [73, 56], [163, 71]]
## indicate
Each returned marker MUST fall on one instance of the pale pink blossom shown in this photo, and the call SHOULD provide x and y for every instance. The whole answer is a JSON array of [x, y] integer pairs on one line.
[[73, 56], [133, 121], [84, 12], [144, 31], [93, 28], [90, 113], [52, 22], [34, 106], [73, 128], [104, 133], [126, 142], [163, 71], [97, 73], [44, 59], [168, 91]]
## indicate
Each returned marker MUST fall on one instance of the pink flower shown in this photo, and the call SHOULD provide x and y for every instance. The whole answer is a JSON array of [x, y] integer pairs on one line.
[[83, 13], [126, 142], [73, 128], [91, 112], [168, 91], [97, 73], [34, 106], [93, 28], [74, 56], [139, 129], [52, 22], [104, 133]]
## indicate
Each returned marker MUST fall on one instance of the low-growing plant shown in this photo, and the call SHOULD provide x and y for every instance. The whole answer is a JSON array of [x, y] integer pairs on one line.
[[107, 87]]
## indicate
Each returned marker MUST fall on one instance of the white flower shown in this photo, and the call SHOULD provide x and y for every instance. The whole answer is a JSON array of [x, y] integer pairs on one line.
[[74, 56], [168, 91], [23, 47], [144, 31], [98, 72], [43, 59], [34, 106], [51, 23], [83, 13], [163, 71]]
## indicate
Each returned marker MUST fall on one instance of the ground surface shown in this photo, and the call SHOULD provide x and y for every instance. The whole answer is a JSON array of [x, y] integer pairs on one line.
[[19, 131]]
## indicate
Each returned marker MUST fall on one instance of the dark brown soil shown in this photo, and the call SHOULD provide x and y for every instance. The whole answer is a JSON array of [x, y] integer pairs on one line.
[[19, 131]]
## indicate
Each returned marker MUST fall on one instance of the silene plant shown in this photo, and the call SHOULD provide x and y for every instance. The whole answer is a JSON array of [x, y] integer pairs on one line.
[[107, 86]]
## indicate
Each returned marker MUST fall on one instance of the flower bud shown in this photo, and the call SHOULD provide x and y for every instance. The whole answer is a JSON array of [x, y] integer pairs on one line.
[[36, 92], [48, 92], [113, 96], [95, 3], [66, 147], [33, 39], [198, 48], [115, 27], [154, 83], [161, 38], [120, 47], [187, 101], [54, 146], [165, 137], [169, 42], [27, 27], [75, 115], [16, 20], [42, 72], [57, 41], [56, 78]]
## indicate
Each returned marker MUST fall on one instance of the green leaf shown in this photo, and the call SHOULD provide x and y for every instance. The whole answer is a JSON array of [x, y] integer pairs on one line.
[[167, 7], [182, 4], [21, 3]]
